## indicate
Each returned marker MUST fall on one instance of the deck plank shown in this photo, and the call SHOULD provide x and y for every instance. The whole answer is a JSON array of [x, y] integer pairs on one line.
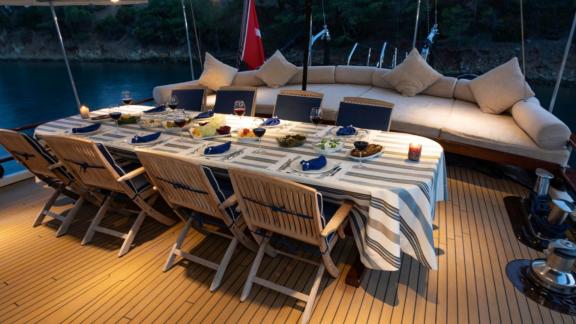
[[49, 279]]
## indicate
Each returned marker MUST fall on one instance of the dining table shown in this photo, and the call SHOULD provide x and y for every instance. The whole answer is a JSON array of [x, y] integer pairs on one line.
[[394, 198]]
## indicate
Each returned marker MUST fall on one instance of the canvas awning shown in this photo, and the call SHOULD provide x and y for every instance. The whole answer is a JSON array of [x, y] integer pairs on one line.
[[52, 4]]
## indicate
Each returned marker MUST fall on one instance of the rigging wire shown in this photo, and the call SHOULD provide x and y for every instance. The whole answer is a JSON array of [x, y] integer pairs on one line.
[[323, 13], [436, 12], [523, 48], [196, 35]]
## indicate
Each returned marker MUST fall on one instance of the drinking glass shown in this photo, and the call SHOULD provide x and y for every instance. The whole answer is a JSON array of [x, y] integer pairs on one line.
[[115, 115], [126, 97], [360, 146], [316, 117], [173, 104], [259, 132], [239, 108], [180, 122]]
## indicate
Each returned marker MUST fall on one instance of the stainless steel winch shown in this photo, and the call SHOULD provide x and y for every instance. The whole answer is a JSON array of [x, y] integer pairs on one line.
[[555, 271]]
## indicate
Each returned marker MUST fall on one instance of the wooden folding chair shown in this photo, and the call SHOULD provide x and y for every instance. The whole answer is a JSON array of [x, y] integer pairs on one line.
[[365, 113], [276, 206], [226, 96], [296, 104], [32, 155], [94, 167], [190, 187]]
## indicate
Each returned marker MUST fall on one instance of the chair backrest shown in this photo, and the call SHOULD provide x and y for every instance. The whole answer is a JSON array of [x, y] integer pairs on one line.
[[193, 99], [30, 154], [279, 206], [89, 162], [183, 183], [296, 104], [365, 113], [226, 96]]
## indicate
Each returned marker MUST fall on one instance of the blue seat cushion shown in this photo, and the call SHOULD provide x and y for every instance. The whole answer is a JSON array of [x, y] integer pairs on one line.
[[138, 184]]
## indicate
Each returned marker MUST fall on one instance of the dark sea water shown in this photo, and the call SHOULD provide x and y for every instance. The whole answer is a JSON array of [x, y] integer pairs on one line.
[[33, 92]]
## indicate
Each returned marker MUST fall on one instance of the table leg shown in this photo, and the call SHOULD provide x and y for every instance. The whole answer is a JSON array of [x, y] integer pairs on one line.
[[357, 270]]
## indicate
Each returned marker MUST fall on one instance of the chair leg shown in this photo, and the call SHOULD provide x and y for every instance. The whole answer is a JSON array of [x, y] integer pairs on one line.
[[312, 296], [63, 229], [132, 234], [254, 269], [178, 245], [96, 221], [40, 218], [224, 264], [329, 264]]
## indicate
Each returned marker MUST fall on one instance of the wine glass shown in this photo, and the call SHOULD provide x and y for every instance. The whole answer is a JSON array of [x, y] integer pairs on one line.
[[180, 122], [259, 132], [360, 145], [115, 115], [316, 116], [173, 103], [239, 108], [126, 97]]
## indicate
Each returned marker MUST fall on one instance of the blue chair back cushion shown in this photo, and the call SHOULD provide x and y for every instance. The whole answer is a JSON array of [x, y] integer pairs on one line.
[[138, 184], [225, 101], [190, 99], [295, 108], [364, 116]]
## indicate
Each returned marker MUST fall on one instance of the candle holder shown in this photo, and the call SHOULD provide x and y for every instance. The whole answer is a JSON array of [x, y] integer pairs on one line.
[[414, 152], [84, 112]]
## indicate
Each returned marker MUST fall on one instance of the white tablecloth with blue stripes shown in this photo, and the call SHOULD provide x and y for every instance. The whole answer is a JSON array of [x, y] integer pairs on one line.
[[395, 198]]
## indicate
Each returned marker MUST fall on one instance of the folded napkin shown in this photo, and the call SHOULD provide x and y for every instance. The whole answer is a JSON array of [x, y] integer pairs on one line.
[[145, 138], [271, 121], [313, 164], [86, 129], [206, 114], [158, 109], [217, 149], [346, 130]]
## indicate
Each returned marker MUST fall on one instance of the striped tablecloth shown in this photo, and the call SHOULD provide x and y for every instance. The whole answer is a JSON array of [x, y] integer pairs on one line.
[[395, 199]]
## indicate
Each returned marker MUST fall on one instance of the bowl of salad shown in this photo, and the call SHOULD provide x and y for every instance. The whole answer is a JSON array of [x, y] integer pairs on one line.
[[329, 145]]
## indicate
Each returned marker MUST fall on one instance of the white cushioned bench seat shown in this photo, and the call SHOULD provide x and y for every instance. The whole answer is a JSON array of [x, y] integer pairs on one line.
[[421, 115], [467, 124]]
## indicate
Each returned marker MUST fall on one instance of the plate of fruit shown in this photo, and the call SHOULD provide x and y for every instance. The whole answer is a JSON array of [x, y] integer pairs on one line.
[[366, 151], [246, 135], [210, 130], [329, 145]]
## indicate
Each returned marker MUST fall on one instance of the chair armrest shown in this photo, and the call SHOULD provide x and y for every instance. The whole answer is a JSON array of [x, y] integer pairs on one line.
[[337, 219], [131, 175], [231, 201], [56, 166]]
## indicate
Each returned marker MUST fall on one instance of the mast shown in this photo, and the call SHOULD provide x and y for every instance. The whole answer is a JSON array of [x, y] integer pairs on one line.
[[416, 24], [188, 40], [242, 32], [72, 82], [562, 65], [307, 44]]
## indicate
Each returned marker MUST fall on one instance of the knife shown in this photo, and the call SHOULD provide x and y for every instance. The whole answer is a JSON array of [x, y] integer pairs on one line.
[[235, 154], [287, 163], [335, 170]]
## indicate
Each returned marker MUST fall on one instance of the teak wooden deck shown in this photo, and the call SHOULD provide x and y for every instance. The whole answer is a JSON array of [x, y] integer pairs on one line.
[[49, 279]]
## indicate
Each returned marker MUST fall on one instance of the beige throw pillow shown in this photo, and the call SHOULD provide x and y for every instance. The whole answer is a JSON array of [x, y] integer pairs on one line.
[[276, 71], [216, 74], [500, 88], [412, 76]]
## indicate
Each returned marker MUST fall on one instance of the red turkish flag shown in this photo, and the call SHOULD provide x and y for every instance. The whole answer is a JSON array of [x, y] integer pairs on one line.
[[253, 50]]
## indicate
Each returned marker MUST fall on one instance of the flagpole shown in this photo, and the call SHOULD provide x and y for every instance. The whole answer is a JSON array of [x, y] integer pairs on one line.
[[55, 18], [242, 32], [307, 44]]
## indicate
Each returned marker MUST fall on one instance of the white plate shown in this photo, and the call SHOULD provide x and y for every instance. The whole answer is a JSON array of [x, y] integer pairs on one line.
[[247, 139], [296, 166], [373, 156], [154, 142], [328, 150], [230, 151], [210, 137], [334, 131]]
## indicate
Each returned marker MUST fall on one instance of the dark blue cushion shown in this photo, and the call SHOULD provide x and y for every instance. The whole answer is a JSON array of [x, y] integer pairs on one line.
[[45, 154], [190, 99], [364, 116], [225, 100], [138, 184], [295, 108], [223, 188]]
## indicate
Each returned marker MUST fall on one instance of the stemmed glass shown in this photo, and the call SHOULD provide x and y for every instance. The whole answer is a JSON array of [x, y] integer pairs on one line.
[[115, 115], [180, 122], [316, 117], [239, 108], [360, 145], [259, 132], [173, 103], [126, 97]]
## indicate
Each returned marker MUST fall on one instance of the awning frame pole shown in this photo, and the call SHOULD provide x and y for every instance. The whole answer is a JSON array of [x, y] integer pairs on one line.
[[188, 40], [72, 82], [416, 24], [562, 65]]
